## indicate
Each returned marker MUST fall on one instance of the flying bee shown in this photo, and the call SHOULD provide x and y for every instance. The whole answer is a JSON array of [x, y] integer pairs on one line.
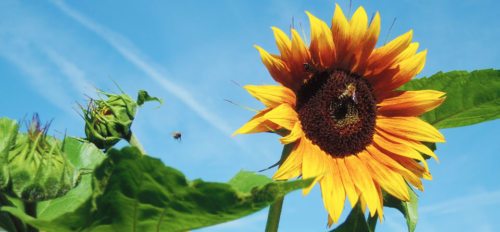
[[350, 91], [177, 135]]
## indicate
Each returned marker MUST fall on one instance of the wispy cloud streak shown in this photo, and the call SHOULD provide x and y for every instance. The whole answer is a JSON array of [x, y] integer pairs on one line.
[[463, 203], [123, 46]]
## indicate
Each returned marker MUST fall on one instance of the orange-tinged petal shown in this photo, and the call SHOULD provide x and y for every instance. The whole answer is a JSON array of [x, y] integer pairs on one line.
[[350, 189], [257, 124], [283, 42], [369, 44], [384, 56], [391, 181], [414, 144], [384, 159], [396, 148], [358, 26], [410, 103], [410, 51], [283, 115], [300, 56], [340, 31], [272, 95], [363, 181], [292, 166], [410, 128], [322, 47], [295, 134], [407, 69], [414, 167], [277, 68]]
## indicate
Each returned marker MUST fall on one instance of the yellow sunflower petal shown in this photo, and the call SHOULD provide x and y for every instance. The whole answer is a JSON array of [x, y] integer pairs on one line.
[[292, 166], [314, 163], [337, 192], [272, 95], [350, 189], [391, 181], [410, 103], [410, 128], [283, 42], [322, 47], [369, 44], [413, 166], [363, 181], [358, 26], [396, 148], [414, 144], [300, 56], [283, 115], [384, 57], [257, 124], [384, 159], [407, 69], [340, 32], [277, 68], [295, 134]]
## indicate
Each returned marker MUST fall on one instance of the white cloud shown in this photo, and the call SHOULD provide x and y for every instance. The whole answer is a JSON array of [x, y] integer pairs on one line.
[[463, 203], [134, 56]]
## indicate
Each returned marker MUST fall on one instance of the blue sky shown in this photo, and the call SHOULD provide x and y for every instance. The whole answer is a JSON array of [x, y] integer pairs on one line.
[[190, 53]]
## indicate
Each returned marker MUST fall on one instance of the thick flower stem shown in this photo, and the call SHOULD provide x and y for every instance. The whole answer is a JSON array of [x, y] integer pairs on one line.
[[135, 142], [30, 209], [273, 218]]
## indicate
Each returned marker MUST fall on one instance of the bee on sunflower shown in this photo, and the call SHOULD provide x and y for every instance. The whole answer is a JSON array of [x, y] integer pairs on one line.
[[338, 102]]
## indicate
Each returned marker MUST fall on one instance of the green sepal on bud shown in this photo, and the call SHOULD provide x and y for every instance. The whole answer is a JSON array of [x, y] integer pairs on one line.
[[8, 130], [109, 120], [38, 169]]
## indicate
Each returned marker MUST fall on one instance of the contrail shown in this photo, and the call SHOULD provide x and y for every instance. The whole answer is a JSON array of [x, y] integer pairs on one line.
[[126, 48]]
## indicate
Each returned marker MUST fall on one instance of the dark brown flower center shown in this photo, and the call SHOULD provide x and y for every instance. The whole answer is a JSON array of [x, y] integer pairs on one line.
[[337, 111]]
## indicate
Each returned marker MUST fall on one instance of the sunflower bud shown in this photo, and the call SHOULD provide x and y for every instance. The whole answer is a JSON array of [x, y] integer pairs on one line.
[[38, 166], [108, 121]]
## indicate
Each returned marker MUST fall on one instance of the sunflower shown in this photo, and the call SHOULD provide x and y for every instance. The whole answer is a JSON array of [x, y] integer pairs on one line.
[[339, 107]]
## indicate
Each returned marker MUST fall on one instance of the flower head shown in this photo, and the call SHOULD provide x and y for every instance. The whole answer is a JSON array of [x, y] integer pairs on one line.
[[38, 167], [338, 103], [107, 121]]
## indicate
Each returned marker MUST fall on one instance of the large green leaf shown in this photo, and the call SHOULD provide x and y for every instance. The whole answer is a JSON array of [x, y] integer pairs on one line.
[[356, 221], [471, 97], [140, 193], [85, 157], [409, 209]]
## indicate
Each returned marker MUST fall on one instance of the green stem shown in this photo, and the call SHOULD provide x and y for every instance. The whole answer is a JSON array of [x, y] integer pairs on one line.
[[135, 142], [273, 218], [30, 209]]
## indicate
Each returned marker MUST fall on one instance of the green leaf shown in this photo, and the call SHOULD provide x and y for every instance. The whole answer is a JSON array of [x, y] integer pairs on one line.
[[85, 157], [471, 97], [245, 181], [8, 132], [143, 96], [356, 221], [409, 209], [140, 193]]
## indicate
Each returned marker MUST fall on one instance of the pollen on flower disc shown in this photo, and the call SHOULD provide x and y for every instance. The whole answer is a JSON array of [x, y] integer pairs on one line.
[[337, 110]]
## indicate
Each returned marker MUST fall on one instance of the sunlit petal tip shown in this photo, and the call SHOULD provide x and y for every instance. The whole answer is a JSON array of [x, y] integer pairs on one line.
[[307, 190], [338, 14], [427, 176]]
